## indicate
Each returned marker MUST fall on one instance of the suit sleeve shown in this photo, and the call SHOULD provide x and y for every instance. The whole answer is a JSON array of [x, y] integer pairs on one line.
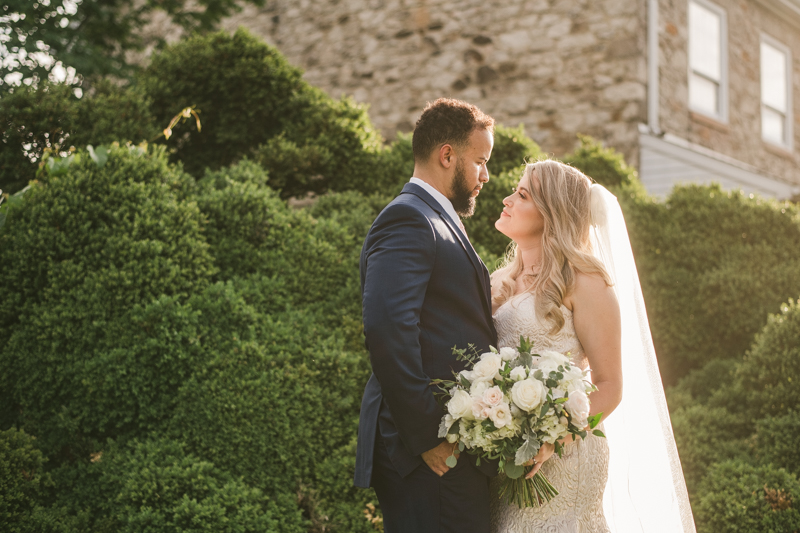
[[399, 257]]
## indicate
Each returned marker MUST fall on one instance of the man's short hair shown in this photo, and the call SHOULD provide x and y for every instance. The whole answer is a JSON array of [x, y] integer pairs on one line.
[[447, 121]]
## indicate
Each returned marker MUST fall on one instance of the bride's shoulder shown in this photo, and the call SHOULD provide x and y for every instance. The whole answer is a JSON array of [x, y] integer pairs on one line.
[[589, 287]]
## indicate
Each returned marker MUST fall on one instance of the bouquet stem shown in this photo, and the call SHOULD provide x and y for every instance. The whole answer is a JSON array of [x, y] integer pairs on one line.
[[523, 492]]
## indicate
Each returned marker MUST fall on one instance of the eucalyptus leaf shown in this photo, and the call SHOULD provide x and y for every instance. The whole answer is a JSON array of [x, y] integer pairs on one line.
[[454, 428], [451, 461], [514, 471], [527, 451]]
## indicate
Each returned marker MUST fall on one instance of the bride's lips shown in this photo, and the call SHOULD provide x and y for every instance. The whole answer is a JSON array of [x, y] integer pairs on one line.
[[504, 214]]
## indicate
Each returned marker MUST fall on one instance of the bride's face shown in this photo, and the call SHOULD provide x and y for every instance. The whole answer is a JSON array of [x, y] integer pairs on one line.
[[521, 220]]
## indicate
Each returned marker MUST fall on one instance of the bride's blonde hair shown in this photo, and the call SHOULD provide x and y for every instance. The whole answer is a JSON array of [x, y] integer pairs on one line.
[[563, 199]]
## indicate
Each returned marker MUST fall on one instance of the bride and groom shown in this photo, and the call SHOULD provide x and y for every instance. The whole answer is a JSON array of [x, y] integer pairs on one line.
[[569, 285]]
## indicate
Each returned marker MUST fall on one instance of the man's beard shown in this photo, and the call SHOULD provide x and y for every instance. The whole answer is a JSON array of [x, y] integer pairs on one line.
[[461, 194]]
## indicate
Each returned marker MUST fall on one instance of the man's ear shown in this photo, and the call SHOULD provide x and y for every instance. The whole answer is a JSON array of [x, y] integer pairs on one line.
[[447, 155]]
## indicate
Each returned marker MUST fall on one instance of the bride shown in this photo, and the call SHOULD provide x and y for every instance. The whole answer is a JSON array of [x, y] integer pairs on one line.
[[570, 285]]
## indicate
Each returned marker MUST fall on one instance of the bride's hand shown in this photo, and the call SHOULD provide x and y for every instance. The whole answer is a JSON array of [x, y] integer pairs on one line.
[[544, 454]]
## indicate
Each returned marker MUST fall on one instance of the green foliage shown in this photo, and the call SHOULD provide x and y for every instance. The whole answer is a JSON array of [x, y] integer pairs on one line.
[[603, 165], [257, 104], [20, 479], [259, 241], [512, 148], [741, 498], [706, 435], [770, 371], [254, 406], [155, 486], [94, 38], [713, 264], [776, 441], [249, 99], [50, 117], [96, 263], [330, 144], [744, 411]]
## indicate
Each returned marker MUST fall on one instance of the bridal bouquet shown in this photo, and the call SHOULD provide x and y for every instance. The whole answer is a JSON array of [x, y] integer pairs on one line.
[[508, 405]]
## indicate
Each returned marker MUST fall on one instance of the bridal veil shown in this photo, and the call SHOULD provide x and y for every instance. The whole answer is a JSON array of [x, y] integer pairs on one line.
[[646, 491]]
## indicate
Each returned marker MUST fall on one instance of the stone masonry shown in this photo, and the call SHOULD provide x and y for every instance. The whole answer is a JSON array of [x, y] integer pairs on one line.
[[560, 67]]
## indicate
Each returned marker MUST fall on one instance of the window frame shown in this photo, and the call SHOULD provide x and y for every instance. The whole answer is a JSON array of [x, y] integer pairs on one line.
[[722, 117], [789, 116]]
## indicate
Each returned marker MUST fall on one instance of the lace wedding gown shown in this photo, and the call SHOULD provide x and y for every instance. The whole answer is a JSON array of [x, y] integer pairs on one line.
[[580, 474]]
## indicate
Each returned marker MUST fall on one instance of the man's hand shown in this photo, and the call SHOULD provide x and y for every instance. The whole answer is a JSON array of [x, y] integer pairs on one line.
[[435, 458]]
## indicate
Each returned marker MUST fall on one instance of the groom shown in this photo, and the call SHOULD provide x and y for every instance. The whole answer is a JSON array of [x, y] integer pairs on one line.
[[424, 291]]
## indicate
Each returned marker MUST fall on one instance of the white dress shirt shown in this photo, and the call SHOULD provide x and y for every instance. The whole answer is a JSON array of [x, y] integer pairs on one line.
[[442, 199]]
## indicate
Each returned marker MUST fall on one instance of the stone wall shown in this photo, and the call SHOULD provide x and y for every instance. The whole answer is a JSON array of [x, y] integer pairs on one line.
[[740, 138], [559, 67]]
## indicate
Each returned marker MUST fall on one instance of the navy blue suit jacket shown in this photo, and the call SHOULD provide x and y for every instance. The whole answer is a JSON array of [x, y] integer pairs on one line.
[[424, 290]]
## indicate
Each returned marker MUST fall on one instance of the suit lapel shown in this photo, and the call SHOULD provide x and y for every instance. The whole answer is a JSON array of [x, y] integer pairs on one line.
[[480, 268]]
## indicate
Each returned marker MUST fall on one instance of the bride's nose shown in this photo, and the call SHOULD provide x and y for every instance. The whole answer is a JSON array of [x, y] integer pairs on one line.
[[507, 200]]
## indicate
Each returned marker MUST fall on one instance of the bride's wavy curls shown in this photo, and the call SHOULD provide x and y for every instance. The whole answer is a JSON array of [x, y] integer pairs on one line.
[[564, 201]]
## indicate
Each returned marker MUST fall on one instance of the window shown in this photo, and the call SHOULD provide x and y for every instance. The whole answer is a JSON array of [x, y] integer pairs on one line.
[[776, 121], [708, 60]]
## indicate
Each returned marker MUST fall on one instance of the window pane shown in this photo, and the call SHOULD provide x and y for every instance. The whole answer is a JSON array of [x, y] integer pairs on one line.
[[772, 126], [704, 95], [773, 77], [705, 41]]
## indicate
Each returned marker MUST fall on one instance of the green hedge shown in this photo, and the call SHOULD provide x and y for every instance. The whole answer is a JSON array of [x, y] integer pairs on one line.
[[21, 479], [741, 498], [96, 263], [743, 411], [154, 486], [713, 265], [35, 119]]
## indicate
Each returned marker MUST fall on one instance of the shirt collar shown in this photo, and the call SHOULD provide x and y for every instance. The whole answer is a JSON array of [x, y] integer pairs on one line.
[[446, 204]]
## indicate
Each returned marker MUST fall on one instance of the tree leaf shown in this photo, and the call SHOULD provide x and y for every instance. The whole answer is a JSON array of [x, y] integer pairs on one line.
[[598, 433], [514, 471], [527, 451], [594, 420]]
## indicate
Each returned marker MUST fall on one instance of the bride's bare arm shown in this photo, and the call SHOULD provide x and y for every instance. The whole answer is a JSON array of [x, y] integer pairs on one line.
[[595, 311]]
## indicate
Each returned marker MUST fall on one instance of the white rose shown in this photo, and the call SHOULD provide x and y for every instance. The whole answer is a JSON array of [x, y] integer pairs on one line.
[[500, 415], [480, 411], [578, 407], [518, 373], [528, 394], [493, 396], [507, 354], [467, 374], [460, 405], [550, 361], [487, 367], [478, 388]]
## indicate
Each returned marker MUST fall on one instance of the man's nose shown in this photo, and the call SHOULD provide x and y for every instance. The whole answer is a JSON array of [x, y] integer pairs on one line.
[[484, 175]]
